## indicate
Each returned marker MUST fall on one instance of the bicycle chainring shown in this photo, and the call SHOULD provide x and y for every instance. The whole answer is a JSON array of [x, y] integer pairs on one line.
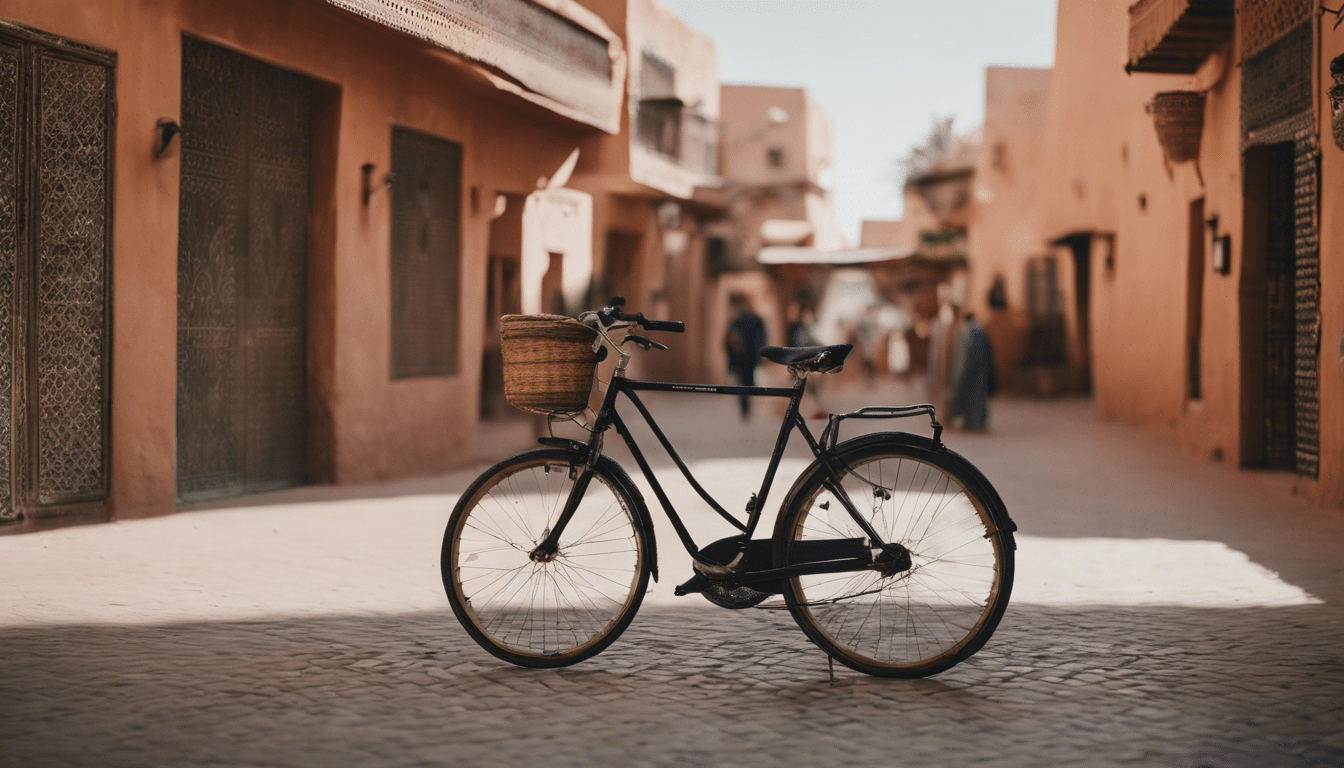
[[733, 598]]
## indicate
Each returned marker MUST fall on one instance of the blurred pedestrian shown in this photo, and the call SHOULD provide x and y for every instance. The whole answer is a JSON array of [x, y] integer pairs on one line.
[[802, 334], [743, 342], [944, 330], [800, 330], [974, 379]]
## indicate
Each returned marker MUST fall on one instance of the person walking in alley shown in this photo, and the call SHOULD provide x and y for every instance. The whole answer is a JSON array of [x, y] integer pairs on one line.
[[743, 342], [973, 381]]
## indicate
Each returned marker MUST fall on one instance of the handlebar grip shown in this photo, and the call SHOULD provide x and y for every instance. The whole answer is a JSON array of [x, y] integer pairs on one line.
[[675, 326]]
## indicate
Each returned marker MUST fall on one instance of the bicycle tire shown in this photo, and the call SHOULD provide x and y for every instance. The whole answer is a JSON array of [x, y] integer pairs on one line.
[[548, 614], [957, 587]]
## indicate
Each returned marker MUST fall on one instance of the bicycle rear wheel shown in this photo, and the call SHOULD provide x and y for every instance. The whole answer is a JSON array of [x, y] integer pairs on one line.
[[560, 611], [913, 622]]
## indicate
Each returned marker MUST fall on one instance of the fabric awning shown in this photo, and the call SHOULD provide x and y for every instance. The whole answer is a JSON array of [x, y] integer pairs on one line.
[[553, 52], [1176, 36]]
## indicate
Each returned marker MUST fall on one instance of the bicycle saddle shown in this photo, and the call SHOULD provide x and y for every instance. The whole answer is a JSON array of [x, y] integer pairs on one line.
[[809, 359]]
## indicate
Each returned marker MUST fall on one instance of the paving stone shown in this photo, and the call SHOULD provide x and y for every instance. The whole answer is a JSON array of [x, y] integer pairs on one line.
[[160, 643]]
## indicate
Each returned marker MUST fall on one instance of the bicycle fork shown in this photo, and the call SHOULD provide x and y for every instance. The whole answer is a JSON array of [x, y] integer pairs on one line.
[[549, 546]]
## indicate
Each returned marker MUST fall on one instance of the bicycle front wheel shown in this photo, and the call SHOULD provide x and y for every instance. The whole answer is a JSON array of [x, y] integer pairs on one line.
[[559, 611], [925, 618]]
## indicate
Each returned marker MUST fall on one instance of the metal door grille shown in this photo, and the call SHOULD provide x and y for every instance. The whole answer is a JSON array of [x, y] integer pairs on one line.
[[56, 110], [1280, 298], [1276, 109], [242, 274]]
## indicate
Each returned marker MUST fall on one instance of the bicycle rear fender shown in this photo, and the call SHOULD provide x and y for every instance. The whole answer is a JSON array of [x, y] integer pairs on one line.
[[982, 487], [578, 453]]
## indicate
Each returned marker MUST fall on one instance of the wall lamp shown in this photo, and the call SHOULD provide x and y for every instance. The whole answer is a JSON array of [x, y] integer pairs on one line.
[[164, 131], [1222, 247], [368, 186]]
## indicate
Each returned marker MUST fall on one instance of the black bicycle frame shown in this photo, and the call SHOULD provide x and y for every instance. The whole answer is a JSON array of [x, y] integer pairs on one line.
[[607, 417]]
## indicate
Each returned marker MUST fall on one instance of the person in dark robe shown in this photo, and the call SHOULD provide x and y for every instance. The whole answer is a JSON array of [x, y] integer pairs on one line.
[[743, 342], [974, 377]]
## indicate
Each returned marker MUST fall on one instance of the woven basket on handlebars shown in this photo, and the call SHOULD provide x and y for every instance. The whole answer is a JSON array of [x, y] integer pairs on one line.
[[548, 363]]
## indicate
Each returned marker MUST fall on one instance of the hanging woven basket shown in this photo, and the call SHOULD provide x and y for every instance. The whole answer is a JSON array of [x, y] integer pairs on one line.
[[548, 363], [1178, 117]]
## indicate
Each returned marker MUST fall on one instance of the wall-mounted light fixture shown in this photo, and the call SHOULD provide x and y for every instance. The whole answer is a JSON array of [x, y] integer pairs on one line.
[[164, 131], [368, 186], [1221, 257]]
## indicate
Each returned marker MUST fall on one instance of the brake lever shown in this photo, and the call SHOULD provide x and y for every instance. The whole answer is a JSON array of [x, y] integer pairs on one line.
[[643, 342]]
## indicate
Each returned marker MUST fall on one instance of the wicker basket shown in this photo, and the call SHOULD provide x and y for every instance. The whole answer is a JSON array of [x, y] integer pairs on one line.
[[548, 363], [1178, 117]]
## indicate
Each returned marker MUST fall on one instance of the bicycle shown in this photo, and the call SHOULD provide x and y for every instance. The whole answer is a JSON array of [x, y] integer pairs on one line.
[[893, 553]]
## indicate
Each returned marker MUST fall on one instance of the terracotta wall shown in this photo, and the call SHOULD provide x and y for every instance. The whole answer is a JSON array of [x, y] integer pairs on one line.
[[1004, 233], [631, 183], [1109, 174], [1331, 486], [365, 425], [1105, 171]]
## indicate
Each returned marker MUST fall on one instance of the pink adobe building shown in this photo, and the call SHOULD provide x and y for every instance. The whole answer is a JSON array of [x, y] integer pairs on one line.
[[973, 214], [1209, 263], [776, 155], [653, 181], [252, 245]]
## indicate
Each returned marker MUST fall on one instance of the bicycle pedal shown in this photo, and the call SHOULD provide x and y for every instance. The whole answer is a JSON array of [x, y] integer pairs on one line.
[[693, 585]]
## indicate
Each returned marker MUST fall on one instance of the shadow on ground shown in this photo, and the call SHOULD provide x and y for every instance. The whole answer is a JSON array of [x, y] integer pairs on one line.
[[684, 686]]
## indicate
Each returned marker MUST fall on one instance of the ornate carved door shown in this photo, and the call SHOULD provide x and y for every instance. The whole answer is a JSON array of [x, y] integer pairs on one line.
[[56, 109], [242, 275]]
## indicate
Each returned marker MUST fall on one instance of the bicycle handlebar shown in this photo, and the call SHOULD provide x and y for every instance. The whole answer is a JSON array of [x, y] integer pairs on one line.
[[675, 326], [612, 313]]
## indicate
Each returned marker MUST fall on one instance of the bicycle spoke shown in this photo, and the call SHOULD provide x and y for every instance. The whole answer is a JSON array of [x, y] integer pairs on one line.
[[556, 607], [920, 618]]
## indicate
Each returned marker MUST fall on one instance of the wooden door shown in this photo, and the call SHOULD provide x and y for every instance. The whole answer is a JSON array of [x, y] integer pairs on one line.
[[56, 109], [242, 274]]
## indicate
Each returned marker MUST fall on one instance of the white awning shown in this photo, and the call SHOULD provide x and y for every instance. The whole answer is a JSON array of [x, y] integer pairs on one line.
[[785, 231], [784, 254]]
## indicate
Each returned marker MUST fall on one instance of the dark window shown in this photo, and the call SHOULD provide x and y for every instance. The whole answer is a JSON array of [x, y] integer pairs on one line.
[[658, 123], [775, 157], [426, 254], [660, 126]]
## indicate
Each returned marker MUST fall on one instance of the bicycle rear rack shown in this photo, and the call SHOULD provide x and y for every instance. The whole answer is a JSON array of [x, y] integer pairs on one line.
[[831, 435]]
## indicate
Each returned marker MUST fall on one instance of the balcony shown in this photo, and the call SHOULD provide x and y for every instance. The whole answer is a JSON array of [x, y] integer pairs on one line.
[[679, 134], [1176, 36], [571, 63]]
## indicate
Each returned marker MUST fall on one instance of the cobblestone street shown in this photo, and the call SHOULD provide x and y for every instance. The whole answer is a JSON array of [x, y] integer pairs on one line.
[[1168, 611]]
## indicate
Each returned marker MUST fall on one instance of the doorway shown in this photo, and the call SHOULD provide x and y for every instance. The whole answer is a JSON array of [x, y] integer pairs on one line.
[[1269, 303], [246, 159], [503, 296]]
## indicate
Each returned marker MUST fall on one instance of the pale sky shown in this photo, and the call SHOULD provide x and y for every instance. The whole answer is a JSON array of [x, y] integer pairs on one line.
[[881, 69]]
